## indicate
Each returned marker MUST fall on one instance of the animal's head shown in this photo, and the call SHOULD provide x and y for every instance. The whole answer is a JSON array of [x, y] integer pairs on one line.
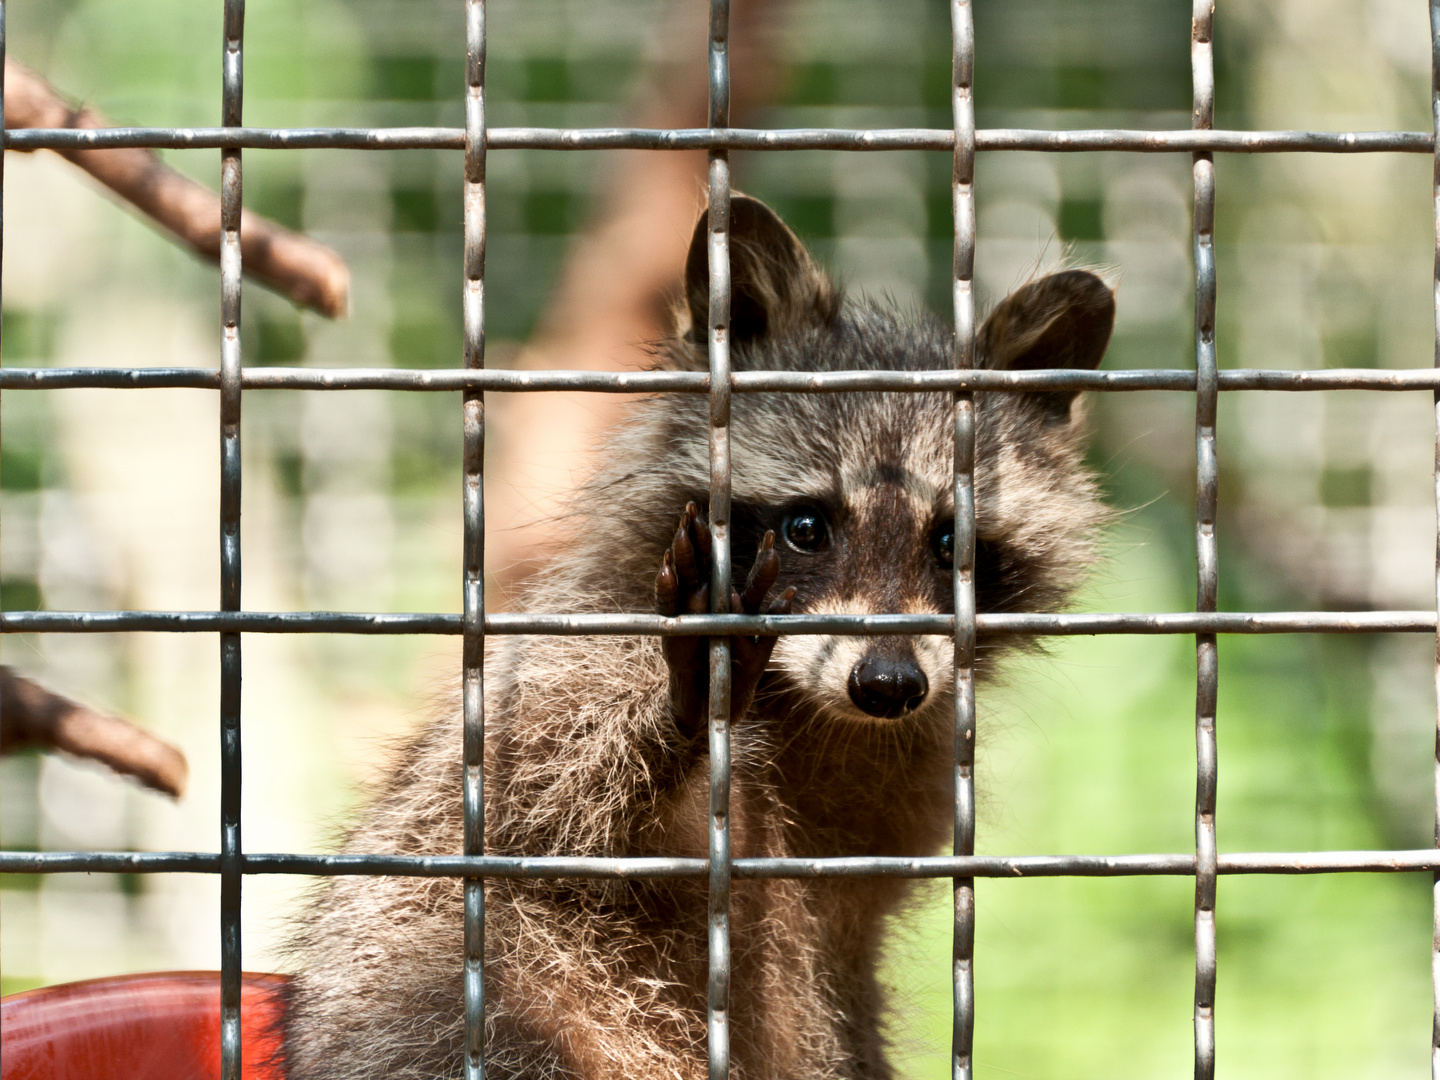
[[857, 487]]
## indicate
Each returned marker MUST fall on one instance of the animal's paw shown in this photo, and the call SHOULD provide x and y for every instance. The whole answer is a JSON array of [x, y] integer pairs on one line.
[[682, 587]]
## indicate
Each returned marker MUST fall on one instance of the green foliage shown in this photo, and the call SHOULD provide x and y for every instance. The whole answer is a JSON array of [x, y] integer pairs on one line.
[[404, 78], [20, 468], [811, 216], [1092, 751], [1080, 219], [278, 339], [552, 213], [414, 209], [547, 78], [27, 336], [277, 198], [20, 594], [418, 341], [1346, 487], [812, 83]]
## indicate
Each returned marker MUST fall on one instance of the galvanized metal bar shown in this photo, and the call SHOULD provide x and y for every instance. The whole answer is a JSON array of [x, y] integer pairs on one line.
[[717, 1004], [1435, 301], [512, 623], [2, 248], [938, 866], [1422, 860], [853, 140], [230, 671], [448, 380], [473, 507], [962, 194], [1207, 675]]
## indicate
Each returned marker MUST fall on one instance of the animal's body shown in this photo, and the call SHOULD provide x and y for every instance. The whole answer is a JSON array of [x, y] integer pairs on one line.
[[596, 746]]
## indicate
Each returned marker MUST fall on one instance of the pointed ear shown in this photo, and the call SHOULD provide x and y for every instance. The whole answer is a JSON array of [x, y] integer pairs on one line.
[[774, 285], [1063, 320]]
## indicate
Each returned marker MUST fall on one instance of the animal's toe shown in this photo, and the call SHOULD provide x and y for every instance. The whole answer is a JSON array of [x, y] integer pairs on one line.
[[763, 573], [667, 587]]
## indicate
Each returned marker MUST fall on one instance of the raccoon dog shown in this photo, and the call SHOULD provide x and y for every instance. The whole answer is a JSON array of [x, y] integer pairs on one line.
[[597, 746]]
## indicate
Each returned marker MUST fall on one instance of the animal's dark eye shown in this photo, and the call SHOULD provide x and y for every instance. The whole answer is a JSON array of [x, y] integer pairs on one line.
[[943, 544], [806, 530]]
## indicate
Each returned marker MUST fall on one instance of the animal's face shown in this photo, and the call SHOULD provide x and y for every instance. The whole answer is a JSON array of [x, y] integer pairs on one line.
[[864, 523], [880, 541], [858, 487]]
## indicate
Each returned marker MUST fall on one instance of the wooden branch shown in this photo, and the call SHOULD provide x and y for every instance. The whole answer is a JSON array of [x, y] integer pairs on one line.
[[309, 273], [30, 715]]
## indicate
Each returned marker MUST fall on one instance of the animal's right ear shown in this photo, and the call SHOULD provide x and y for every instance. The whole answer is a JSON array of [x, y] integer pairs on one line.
[[1062, 320], [774, 284]]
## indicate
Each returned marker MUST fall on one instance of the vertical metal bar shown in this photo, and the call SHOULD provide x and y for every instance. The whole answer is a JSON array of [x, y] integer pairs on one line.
[[963, 207], [473, 499], [1207, 672], [2, 128], [2, 203], [230, 776], [717, 1008], [1435, 201]]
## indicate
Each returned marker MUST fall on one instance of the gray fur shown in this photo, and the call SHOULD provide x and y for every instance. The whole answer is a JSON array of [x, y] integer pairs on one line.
[[597, 980]]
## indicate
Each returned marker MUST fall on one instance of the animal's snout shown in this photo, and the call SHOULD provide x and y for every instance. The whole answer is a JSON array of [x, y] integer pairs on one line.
[[888, 688]]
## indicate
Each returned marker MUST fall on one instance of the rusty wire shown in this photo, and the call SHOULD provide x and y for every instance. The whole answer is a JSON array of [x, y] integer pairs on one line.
[[510, 623], [717, 999], [554, 380], [962, 201], [231, 868], [1390, 861], [472, 683], [1435, 201], [717, 138], [1207, 654], [471, 380]]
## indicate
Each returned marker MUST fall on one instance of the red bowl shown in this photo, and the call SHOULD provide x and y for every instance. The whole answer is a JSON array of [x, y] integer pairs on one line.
[[162, 1026]]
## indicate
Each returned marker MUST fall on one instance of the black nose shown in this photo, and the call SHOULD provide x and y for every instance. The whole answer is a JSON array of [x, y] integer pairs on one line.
[[888, 688]]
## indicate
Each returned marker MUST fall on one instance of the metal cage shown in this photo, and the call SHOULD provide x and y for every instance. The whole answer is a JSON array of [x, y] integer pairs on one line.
[[230, 620]]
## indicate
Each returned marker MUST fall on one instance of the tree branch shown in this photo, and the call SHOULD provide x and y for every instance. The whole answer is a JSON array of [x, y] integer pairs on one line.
[[308, 272], [30, 715]]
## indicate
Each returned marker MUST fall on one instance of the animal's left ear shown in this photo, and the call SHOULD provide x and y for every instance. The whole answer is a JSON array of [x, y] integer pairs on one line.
[[774, 284], [1063, 320]]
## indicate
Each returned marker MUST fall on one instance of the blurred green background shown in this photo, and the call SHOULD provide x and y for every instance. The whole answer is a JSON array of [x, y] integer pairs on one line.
[[107, 499]]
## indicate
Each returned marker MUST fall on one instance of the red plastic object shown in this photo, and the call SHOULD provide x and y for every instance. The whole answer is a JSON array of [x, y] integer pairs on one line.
[[164, 1026]]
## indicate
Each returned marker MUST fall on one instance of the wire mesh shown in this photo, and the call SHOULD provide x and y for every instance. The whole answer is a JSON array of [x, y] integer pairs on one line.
[[963, 141]]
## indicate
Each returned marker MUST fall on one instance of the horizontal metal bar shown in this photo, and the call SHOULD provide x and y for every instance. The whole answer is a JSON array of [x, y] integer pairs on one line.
[[109, 862], [206, 622], [937, 866], [1193, 141], [513, 623], [698, 382], [539, 138], [109, 378]]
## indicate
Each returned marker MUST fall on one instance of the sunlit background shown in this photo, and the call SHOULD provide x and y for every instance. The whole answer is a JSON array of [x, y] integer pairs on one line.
[[109, 499]]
